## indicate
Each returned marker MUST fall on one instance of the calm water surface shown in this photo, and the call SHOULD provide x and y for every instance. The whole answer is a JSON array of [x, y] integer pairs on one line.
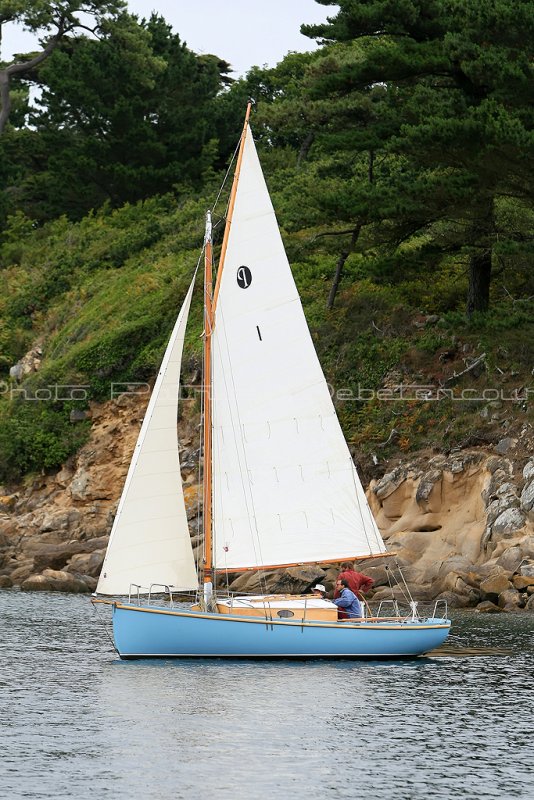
[[76, 722]]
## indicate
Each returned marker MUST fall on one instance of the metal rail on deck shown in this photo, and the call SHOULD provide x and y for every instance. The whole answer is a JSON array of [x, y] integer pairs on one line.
[[438, 603], [138, 589]]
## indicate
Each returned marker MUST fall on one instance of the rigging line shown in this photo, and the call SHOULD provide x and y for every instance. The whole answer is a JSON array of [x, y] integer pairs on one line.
[[234, 427], [396, 605], [100, 619], [377, 536], [226, 176], [218, 499], [359, 506], [243, 441], [200, 562], [257, 550], [407, 594], [226, 573]]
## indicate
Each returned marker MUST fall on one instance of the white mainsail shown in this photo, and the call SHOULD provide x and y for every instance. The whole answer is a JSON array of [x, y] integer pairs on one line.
[[150, 539], [285, 489]]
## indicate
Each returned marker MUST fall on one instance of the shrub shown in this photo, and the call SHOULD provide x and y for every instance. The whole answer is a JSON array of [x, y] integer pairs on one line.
[[36, 436]]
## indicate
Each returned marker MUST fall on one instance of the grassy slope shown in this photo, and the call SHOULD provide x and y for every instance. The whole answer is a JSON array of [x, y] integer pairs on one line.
[[102, 296]]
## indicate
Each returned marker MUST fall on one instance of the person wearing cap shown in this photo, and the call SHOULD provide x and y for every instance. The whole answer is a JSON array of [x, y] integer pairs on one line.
[[319, 591], [358, 583], [348, 605]]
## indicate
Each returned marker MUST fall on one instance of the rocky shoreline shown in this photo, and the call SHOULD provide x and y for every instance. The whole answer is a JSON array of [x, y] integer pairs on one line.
[[461, 525]]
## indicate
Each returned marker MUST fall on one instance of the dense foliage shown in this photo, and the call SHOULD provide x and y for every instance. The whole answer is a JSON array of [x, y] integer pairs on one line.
[[51, 23], [118, 119], [399, 156], [437, 100]]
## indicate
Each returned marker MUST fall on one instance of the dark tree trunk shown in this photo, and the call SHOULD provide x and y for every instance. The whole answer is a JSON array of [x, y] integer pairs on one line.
[[339, 267], [478, 292], [305, 148], [5, 99]]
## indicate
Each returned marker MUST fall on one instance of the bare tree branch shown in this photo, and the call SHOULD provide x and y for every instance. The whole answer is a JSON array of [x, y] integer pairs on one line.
[[518, 299], [476, 363]]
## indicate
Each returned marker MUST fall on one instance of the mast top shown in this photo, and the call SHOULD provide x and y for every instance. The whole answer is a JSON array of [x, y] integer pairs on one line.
[[207, 234]]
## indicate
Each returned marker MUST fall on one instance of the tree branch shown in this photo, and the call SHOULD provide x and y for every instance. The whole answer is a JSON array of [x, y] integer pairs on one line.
[[331, 233], [93, 31], [518, 299], [21, 67], [476, 363], [340, 264]]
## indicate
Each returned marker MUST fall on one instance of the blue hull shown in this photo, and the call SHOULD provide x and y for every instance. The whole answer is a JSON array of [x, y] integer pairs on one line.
[[142, 632]]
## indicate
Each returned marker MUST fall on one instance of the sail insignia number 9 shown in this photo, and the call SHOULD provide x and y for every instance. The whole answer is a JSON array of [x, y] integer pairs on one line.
[[244, 277]]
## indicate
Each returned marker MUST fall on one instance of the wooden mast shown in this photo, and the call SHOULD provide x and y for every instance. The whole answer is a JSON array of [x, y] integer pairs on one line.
[[208, 329], [210, 299]]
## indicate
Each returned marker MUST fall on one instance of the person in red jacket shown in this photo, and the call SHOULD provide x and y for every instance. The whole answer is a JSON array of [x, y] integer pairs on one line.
[[357, 581]]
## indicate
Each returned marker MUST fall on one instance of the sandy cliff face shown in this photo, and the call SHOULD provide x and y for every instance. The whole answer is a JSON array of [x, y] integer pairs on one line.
[[455, 522], [462, 526], [433, 514]]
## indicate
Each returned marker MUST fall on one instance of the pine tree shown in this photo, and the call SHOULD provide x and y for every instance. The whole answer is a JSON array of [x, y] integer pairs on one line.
[[437, 97], [51, 23], [118, 119]]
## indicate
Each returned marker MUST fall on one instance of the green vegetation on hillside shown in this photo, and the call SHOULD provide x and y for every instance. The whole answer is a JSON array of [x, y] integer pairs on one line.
[[399, 157]]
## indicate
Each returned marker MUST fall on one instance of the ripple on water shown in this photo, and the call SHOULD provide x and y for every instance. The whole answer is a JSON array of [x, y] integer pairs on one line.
[[77, 722]]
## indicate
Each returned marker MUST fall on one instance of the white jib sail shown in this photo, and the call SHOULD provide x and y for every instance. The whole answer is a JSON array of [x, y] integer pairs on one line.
[[150, 541], [285, 489]]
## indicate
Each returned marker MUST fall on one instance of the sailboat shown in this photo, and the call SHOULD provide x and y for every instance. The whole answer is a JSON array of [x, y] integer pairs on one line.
[[280, 487]]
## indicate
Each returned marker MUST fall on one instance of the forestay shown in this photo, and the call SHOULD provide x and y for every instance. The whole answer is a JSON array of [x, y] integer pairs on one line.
[[285, 490], [150, 538]]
